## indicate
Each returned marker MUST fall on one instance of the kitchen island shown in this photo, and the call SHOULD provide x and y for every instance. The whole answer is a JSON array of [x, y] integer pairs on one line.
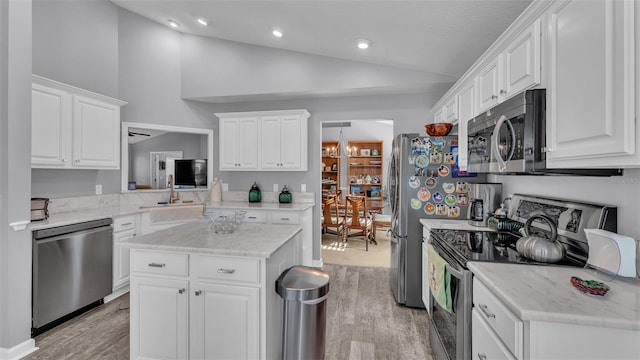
[[533, 312], [196, 294]]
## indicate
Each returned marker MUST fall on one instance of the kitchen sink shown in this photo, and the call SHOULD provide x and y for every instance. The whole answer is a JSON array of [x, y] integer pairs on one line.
[[173, 212]]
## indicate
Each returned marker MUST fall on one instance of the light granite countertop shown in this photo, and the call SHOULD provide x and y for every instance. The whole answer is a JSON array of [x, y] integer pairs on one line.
[[74, 217], [251, 240], [451, 224], [245, 205], [545, 293]]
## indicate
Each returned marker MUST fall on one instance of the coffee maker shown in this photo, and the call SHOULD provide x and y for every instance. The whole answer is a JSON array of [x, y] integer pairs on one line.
[[485, 198]]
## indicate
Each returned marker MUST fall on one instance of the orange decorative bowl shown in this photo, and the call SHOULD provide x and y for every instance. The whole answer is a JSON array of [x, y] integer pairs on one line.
[[438, 129]]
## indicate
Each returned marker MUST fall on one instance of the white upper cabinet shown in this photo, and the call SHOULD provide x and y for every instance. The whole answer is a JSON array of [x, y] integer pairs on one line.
[[467, 110], [438, 115], [264, 140], [514, 70], [590, 99], [73, 128], [239, 143], [522, 59], [489, 84]]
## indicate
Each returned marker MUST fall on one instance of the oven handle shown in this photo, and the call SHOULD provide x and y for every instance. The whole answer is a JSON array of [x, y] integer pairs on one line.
[[457, 274]]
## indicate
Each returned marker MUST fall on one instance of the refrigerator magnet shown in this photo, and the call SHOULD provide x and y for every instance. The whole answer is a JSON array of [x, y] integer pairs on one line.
[[450, 200], [462, 187], [449, 158], [414, 182], [449, 187], [416, 204], [435, 157], [441, 209], [431, 182], [422, 161], [454, 211], [437, 197], [463, 200], [429, 209], [443, 170], [424, 194]]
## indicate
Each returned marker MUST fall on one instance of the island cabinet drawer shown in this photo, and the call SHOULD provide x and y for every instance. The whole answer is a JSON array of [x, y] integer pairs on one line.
[[122, 223], [278, 217], [256, 217], [160, 263], [232, 269], [504, 322]]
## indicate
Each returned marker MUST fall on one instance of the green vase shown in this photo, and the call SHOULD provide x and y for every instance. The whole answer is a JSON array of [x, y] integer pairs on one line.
[[285, 196], [255, 195]]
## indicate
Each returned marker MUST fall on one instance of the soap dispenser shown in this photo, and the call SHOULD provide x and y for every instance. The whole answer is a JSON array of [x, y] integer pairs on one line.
[[255, 195], [285, 196]]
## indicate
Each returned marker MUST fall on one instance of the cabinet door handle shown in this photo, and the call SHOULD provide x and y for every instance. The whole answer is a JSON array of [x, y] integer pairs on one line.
[[181, 291], [157, 265], [126, 224], [284, 219], [482, 356], [226, 271], [503, 91], [198, 292], [486, 311], [494, 97], [64, 160]]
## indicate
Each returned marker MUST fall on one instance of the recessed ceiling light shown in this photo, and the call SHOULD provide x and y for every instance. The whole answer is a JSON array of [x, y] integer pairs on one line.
[[173, 24], [364, 44], [277, 32], [202, 21]]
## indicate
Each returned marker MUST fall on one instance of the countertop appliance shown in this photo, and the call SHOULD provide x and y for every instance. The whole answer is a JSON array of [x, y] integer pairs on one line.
[[450, 333], [485, 198], [510, 138], [72, 271], [424, 182]]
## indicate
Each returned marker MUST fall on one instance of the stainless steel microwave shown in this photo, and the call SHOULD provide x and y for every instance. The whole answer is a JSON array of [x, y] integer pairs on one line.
[[510, 138]]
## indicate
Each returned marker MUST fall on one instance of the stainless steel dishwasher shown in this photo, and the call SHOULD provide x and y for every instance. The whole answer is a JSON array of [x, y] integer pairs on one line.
[[72, 271]]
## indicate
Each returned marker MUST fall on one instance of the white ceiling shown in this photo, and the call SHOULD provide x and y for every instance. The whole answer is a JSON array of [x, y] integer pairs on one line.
[[436, 36]]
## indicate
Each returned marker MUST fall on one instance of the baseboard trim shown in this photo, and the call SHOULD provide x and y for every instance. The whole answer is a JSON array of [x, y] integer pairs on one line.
[[318, 263], [19, 351], [115, 294]]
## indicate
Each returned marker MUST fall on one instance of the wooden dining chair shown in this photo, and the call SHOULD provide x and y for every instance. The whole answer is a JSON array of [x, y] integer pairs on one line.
[[357, 218], [330, 216]]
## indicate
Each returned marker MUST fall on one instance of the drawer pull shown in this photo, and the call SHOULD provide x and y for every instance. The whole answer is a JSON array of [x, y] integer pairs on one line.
[[482, 356], [157, 265], [284, 219], [198, 292], [486, 311], [126, 224], [226, 271], [252, 217], [181, 291]]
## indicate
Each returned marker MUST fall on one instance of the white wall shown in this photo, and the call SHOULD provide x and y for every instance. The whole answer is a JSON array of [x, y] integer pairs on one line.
[[621, 191], [15, 175]]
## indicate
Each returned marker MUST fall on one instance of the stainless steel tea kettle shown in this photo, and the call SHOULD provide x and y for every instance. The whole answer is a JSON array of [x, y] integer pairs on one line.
[[540, 248]]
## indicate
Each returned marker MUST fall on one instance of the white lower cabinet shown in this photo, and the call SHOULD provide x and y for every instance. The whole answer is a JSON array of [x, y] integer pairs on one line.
[[124, 228], [199, 306], [498, 333], [426, 292], [159, 318], [225, 321]]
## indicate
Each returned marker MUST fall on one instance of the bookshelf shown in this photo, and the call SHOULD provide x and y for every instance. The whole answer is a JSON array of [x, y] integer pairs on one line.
[[364, 169], [330, 169]]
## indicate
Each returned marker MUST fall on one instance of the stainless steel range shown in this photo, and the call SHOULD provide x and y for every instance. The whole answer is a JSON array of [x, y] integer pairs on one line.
[[450, 332]]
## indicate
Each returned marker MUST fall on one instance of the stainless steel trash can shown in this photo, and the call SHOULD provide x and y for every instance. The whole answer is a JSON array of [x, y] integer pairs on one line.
[[304, 290]]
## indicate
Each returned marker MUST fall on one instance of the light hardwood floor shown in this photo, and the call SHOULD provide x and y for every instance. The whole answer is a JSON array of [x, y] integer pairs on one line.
[[363, 322]]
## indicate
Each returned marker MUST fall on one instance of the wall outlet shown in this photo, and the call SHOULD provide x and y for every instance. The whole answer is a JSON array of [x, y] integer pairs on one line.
[[225, 187], [303, 188], [98, 189], [275, 187]]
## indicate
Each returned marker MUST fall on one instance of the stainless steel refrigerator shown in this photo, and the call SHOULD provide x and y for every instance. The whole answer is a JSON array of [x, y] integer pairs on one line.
[[424, 182]]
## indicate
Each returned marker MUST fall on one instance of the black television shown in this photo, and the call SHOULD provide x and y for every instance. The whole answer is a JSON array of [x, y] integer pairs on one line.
[[191, 172]]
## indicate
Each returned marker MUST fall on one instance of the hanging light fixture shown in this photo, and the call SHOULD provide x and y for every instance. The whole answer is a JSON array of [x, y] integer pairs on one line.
[[342, 151]]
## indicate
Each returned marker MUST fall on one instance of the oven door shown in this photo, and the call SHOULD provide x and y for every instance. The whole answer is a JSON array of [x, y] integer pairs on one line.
[[450, 333]]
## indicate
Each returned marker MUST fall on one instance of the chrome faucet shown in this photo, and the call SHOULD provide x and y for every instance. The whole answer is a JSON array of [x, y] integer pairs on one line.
[[173, 195]]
